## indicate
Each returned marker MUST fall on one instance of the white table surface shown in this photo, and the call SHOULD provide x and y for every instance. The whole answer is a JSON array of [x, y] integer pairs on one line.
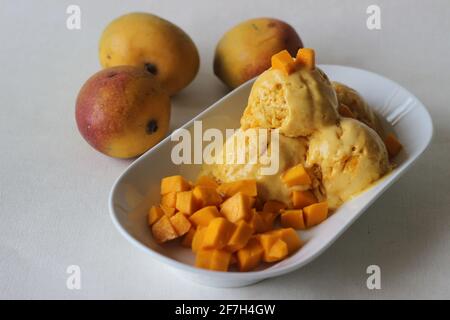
[[54, 187]]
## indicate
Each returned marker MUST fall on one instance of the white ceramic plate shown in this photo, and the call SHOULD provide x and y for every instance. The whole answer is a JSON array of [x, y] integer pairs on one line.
[[138, 187]]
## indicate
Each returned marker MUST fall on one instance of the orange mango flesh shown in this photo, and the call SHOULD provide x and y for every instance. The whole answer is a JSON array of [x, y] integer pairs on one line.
[[306, 57], [206, 196], [301, 199], [283, 61], [186, 202], [237, 207], [154, 214], [315, 214], [174, 184], [221, 225], [204, 216], [296, 175], [293, 219]]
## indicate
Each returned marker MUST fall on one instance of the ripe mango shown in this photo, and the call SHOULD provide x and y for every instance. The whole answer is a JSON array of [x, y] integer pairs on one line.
[[122, 111], [146, 40], [245, 50]]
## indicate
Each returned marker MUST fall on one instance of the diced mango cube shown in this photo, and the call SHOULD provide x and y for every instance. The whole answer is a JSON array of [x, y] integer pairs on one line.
[[206, 196], [163, 230], [188, 237], [293, 219], [213, 259], [267, 240], [301, 199], [262, 221], [315, 213], [174, 184], [168, 211], [204, 216], [393, 146], [250, 256], [283, 61], [345, 111], [218, 233], [274, 206], [186, 202], [154, 214], [169, 200], [197, 239], [237, 208], [206, 181], [277, 252], [240, 236], [291, 238], [246, 187], [296, 175], [306, 57], [180, 223]]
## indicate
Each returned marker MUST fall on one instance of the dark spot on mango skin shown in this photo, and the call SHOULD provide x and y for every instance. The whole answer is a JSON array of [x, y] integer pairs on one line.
[[152, 127], [151, 68]]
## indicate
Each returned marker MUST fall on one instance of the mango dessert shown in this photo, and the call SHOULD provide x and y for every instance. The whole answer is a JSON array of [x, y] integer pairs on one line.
[[329, 148]]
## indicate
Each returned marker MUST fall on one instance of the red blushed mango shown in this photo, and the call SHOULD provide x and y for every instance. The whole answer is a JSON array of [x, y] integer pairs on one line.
[[122, 111]]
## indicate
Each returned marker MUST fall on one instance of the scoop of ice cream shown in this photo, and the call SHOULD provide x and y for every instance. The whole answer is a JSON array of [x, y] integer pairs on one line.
[[350, 156], [291, 151], [297, 104], [358, 106]]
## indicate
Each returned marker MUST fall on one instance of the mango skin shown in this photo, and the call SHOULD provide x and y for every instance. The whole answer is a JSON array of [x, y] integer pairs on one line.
[[122, 111], [245, 50], [143, 39]]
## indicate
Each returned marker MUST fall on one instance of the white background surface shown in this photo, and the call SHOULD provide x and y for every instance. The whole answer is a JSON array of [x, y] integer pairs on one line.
[[54, 187]]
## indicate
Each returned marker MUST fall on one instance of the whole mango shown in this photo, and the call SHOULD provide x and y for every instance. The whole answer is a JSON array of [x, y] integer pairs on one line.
[[122, 111], [245, 50], [143, 39]]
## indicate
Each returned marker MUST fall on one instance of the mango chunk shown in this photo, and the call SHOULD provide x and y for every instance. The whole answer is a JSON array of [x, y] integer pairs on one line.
[[290, 237], [188, 237], [283, 61], [315, 213], [262, 221], [237, 207], [218, 260], [154, 214], [345, 111], [393, 146], [169, 200], [296, 175], [249, 257], [206, 196], [197, 239], [163, 230], [180, 223], [306, 57], [186, 202], [293, 219], [168, 211], [206, 181], [174, 184], [277, 252], [239, 237], [267, 240], [218, 233], [204, 216], [246, 187], [301, 199], [274, 206]]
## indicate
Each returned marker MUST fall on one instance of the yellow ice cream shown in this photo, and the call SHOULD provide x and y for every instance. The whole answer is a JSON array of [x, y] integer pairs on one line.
[[291, 152], [343, 156], [298, 104], [351, 156], [358, 106]]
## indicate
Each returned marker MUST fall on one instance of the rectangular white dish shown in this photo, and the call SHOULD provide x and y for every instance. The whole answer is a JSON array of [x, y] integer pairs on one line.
[[138, 187]]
